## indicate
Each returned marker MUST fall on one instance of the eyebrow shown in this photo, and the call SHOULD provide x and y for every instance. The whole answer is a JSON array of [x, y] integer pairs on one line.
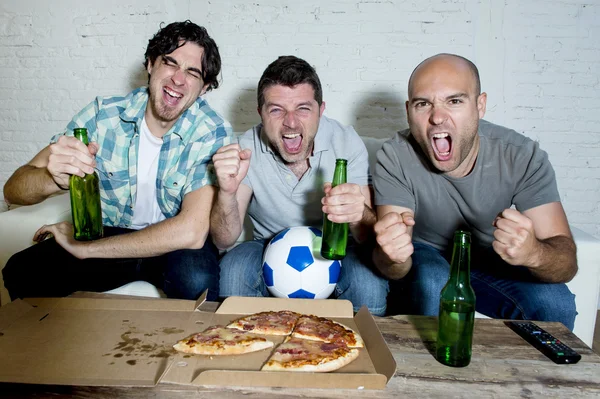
[[273, 104], [174, 61], [450, 97]]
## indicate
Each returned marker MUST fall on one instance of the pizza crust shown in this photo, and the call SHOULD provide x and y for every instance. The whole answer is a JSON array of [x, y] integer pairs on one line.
[[326, 364], [219, 340], [200, 349]]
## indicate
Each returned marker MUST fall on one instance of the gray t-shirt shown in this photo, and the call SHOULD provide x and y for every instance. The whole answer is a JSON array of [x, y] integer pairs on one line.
[[510, 169], [279, 200]]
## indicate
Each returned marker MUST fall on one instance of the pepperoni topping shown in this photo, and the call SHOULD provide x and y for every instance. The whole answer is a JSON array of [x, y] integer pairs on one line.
[[292, 351]]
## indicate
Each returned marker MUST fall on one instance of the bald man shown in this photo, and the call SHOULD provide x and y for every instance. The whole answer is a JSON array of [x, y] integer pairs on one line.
[[453, 170]]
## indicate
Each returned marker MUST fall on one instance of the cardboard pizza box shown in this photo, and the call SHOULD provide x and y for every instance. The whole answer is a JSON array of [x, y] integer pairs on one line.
[[121, 341]]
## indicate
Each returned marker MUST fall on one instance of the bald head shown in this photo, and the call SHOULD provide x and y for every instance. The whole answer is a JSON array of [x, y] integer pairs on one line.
[[442, 63]]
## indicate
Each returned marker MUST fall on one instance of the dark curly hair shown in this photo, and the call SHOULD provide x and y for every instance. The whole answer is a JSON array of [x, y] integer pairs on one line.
[[289, 71], [175, 35]]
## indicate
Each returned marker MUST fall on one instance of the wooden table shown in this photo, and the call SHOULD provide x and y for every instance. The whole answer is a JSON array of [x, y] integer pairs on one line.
[[503, 365]]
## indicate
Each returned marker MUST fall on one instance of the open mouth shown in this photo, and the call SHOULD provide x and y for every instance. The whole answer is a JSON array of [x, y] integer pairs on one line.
[[171, 97], [442, 146], [292, 142]]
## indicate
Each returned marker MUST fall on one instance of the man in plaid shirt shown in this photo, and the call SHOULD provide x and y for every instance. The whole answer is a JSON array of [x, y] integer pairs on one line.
[[152, 150]]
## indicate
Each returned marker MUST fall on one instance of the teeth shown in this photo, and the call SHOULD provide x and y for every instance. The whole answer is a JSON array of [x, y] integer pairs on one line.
[[291, 136], [440, 135], [172, 93]]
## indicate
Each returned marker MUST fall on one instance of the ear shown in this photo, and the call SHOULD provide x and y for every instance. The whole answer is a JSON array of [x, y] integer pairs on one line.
[[406, 106], [259, 111], [203, 91], [481, 104], [322, 109], [149, 67]]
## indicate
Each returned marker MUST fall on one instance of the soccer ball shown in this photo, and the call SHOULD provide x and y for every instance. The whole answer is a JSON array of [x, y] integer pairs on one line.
[[294, 268]]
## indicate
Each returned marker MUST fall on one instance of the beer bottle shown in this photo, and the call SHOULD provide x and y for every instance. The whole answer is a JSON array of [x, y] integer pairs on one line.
[[335, 235], [457, 307], [85, 201]]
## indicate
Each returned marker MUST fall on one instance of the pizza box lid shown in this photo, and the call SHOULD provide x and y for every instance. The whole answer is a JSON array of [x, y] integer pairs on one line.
[[111, 340]]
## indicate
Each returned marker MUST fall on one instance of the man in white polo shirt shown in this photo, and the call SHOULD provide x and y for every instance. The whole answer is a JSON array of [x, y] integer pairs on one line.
[[277, 174]]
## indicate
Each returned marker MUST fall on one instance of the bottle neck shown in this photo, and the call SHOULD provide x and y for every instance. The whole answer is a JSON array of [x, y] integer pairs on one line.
[[81, 136], [460, 265], [339, 175]]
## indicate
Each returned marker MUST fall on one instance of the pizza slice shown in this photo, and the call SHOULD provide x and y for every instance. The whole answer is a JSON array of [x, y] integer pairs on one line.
[[219, 340], [322, 329], [269, 323], [296, 354]]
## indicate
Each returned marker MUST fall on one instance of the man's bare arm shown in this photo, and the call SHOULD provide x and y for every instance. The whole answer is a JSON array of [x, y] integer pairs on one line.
[[31, 183], [227, 216], [188, 230], [393, 232], [540, 239], [49, 171]]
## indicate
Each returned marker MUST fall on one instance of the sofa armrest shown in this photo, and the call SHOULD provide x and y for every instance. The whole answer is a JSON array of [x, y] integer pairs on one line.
[[18, 225], [586, 284]]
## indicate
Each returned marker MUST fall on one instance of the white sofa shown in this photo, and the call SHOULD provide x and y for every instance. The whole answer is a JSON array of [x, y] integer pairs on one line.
[[18, 225]]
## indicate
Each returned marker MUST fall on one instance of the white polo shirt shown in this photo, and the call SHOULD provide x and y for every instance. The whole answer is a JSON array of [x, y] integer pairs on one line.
[[279, 199]]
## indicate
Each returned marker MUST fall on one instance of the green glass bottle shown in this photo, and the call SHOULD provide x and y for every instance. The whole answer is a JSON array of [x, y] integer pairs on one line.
[[335, 235], [85, 201], [457, 307]]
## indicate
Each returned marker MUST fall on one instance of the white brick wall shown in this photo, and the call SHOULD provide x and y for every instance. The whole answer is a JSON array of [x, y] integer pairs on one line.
[[539, 62]]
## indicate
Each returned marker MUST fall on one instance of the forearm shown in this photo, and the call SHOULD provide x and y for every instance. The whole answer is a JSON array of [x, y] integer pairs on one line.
[[390, 269], [363, 230], [555, 260], [225, 221], [167, 236], [29, 185]]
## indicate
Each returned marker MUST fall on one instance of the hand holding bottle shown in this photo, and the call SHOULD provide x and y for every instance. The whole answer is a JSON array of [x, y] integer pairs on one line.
[[344, 203], [69, 156], [231, 166]]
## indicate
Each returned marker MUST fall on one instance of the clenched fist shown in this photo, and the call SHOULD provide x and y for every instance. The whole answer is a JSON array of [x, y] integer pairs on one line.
[[231, 166], [514, 238], [393, 236]]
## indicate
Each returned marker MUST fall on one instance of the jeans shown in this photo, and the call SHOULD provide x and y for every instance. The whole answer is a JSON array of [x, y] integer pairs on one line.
[[241, 275], [502, 291], [47, 270]]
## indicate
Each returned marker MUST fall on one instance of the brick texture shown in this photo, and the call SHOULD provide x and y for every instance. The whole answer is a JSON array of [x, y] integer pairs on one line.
[[538, 61]]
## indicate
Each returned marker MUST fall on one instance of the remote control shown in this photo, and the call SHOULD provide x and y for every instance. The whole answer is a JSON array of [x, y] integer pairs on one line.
[[544, 342]]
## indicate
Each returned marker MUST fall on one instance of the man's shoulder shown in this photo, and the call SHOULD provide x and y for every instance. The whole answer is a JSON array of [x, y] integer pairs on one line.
[[501, 135], [401, 141], [205, 111], [338, 130], [123, 101], [250, 136]]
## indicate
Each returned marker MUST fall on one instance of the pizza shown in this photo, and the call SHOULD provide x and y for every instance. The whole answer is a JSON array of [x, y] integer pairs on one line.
[[219, 340], [297, 354], [322, 329], [312, 343], [269, 323]]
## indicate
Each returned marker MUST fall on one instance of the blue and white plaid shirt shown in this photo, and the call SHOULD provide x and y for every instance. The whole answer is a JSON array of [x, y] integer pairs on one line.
[[185, 161]]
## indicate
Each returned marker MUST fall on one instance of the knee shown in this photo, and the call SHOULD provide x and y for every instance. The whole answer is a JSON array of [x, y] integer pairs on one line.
[[241, 271], [362, 286], [190, 272], [11, 273], [557, 305]]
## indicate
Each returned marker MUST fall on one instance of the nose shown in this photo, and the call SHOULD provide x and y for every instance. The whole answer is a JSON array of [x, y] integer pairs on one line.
[[289, 120], [178, 77], [437, 116]]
